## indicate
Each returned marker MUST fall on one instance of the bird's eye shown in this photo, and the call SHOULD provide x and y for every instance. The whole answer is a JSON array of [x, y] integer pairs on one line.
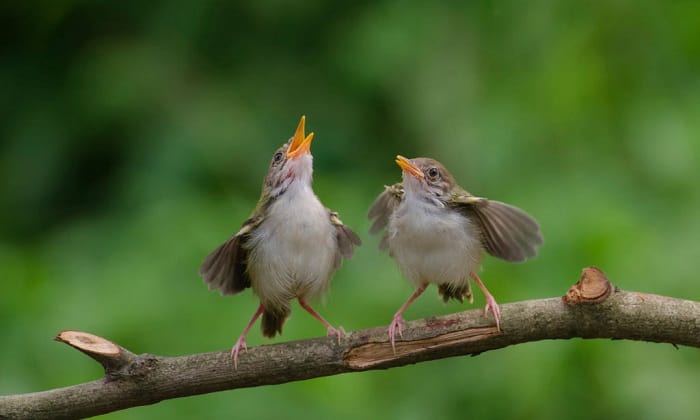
[[433, 172], [278, 157]]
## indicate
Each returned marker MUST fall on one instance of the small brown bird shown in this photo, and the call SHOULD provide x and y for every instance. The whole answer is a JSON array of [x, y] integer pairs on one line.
[[437, 232], [289, 247]]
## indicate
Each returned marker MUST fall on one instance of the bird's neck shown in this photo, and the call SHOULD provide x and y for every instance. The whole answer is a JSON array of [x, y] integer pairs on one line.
[[298, 202], [421, 198], [298, 171]]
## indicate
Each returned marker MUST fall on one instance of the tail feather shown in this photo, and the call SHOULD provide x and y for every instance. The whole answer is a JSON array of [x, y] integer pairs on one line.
[[448, 291], [273, 321]]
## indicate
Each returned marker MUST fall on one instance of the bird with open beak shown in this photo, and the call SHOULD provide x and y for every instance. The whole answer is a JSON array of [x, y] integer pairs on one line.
[[288, 248], [437, 233]]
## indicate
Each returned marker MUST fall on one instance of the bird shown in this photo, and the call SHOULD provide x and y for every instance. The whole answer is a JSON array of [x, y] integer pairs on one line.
[[437, 232], [289, 248]]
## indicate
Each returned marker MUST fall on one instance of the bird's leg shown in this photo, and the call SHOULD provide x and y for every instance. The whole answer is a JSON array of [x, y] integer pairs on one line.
[[395, 325], [240, 344], [340, 332], [490, 301]]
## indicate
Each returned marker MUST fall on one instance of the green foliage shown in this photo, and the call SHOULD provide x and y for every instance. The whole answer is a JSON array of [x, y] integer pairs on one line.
[[135, 137]]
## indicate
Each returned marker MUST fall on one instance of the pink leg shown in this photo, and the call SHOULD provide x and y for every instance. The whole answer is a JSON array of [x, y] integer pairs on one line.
[[395, 325], [240, 344], [340, 332], [490, 301]]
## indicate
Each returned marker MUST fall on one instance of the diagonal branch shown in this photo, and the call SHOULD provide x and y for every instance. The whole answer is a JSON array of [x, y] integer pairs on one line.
[[591, 309]]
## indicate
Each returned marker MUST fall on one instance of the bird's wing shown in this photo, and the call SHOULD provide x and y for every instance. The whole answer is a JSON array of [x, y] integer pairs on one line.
[[346, 238], [382, 208], [506, 231], [225, 268]]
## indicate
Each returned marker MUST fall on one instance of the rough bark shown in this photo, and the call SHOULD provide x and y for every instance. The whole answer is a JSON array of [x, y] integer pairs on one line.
[[592, 308]]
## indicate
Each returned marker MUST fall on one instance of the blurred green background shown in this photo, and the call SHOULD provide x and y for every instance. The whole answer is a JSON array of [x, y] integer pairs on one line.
[[135, 137]]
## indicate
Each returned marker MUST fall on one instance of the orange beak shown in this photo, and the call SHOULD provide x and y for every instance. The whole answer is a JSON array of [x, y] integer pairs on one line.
[[408, 167], [300, 144]]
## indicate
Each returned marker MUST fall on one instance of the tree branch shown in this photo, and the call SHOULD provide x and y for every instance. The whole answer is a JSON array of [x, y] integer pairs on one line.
[[592, 308]]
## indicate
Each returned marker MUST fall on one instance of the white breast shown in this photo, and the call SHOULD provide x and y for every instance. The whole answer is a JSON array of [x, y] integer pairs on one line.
[[433, 245], [292, 252]]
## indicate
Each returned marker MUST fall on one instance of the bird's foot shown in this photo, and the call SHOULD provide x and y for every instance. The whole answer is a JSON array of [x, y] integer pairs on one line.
[[339, 332], [240, 344], [395, 326], [493, 306]]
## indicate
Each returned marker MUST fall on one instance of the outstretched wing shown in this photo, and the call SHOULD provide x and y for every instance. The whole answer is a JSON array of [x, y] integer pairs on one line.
[[225, 268], [382, 208], [507, 232], [347, 239]]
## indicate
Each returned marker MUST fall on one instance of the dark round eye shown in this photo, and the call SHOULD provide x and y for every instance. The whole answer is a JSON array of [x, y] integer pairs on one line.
[[433, 172], [278, 157]]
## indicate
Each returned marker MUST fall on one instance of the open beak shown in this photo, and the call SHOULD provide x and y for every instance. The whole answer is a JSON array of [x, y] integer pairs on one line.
[[408, 167], [300, 144]]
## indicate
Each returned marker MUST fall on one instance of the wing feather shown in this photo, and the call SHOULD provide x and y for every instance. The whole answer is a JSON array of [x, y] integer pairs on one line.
[[507, 231], [381, 210], [224, 269], [346, 238], [384, 206]]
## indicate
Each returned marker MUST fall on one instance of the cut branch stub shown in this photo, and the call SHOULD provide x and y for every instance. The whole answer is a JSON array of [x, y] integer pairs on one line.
[[593, 287], [110, 355]]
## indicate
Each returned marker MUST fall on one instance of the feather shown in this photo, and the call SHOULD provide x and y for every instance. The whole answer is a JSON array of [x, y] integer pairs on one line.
[[346, 238], [507, 232], [384, 206], [225, 268]]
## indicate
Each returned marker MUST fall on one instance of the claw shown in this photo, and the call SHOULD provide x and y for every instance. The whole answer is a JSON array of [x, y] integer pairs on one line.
[[240, 344], [493, 306], [397, 322], [395, 326], [490, 301], [339, 332]]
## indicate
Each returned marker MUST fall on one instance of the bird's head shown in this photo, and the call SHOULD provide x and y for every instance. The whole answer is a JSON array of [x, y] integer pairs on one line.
[[292, 162], [426, 178]]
